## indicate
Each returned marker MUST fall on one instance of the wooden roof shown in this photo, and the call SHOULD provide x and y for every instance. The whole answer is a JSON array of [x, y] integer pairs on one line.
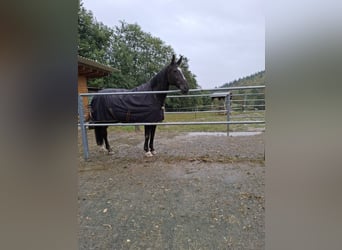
[[92, 69], [219, 94]]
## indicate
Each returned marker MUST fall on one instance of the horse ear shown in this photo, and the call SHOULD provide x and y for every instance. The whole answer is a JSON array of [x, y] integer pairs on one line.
[[180, 60], [173, 59]]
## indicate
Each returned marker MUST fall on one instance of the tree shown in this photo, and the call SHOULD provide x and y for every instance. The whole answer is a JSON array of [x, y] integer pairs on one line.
[[137, 54], [93, 37]]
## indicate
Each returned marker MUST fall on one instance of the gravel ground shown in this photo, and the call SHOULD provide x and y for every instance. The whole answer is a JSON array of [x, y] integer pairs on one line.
[[198, 192]]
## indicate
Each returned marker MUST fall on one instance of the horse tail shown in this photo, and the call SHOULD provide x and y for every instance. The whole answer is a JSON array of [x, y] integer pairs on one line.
[[100, 134]]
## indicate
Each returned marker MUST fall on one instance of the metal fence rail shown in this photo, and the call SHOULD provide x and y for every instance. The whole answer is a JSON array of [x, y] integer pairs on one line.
[[173, 123], [228, 103], [174, 91]]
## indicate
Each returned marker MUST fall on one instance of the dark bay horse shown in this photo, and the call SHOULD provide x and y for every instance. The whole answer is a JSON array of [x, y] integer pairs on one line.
[[137, 108]]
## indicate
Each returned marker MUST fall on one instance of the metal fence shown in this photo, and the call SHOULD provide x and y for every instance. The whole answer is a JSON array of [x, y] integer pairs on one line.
[[232, 101]]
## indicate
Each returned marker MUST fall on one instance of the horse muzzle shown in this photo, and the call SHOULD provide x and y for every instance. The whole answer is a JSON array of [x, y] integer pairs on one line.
[[184, 89], [184, 92]]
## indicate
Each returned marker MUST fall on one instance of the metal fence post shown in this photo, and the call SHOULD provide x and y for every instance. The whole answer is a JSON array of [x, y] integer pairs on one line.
[[228, 110], [244, 103], [83, 128]]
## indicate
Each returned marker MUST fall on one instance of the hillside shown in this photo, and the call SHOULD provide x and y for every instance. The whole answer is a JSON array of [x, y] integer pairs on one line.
[[251, 80], [252, 99]]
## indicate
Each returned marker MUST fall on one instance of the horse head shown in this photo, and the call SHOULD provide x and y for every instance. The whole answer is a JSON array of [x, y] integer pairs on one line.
[[175, 75]]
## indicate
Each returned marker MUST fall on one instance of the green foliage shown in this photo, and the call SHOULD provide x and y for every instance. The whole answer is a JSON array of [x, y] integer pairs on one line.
[[93, 37], [137, 54]]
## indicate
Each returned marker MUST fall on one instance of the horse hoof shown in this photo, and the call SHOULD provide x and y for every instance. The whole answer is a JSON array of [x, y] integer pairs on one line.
[[102, 149], [110, 152], [148, 154], [154, 152]]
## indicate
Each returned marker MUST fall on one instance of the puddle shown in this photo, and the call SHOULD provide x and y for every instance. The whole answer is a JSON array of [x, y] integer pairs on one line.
[[233, 134]]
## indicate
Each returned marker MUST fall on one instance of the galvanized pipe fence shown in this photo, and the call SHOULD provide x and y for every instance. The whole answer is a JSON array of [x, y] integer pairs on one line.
[[228, 109]]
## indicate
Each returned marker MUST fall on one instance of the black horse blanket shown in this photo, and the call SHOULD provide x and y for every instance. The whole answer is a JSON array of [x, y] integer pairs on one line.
[[127, 108]]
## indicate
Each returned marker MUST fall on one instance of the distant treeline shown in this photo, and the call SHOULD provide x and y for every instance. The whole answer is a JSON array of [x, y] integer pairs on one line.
[[251, 80], [252, 99]]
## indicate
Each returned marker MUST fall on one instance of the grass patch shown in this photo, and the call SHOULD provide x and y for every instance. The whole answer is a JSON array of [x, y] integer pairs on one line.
[[202, 117]]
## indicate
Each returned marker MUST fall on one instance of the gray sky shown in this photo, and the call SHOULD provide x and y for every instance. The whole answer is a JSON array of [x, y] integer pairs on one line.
[[223, 39]]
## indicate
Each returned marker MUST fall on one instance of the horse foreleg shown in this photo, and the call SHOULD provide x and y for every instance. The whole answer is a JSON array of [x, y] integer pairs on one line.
[[147, 138], [152, 133]]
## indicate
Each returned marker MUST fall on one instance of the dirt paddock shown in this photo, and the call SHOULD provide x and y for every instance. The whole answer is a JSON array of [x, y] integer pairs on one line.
[[198, 192]]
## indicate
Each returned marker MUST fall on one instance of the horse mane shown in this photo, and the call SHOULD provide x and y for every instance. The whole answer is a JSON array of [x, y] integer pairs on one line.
[[159, 81]]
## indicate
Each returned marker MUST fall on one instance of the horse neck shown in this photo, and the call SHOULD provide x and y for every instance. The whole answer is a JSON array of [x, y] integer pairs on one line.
[[160, 83]]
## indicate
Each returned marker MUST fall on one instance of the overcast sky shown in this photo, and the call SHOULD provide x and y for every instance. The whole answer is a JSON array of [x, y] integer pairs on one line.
[[223, 39]]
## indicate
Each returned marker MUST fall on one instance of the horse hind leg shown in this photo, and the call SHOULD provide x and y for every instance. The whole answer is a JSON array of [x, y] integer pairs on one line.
[[102, 139], [105, 137], [99, 138], [108, 147], [102, 149]]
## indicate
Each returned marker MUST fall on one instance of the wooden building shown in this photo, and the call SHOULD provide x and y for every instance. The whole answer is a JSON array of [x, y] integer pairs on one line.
[[90, 69], [218, 100]]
